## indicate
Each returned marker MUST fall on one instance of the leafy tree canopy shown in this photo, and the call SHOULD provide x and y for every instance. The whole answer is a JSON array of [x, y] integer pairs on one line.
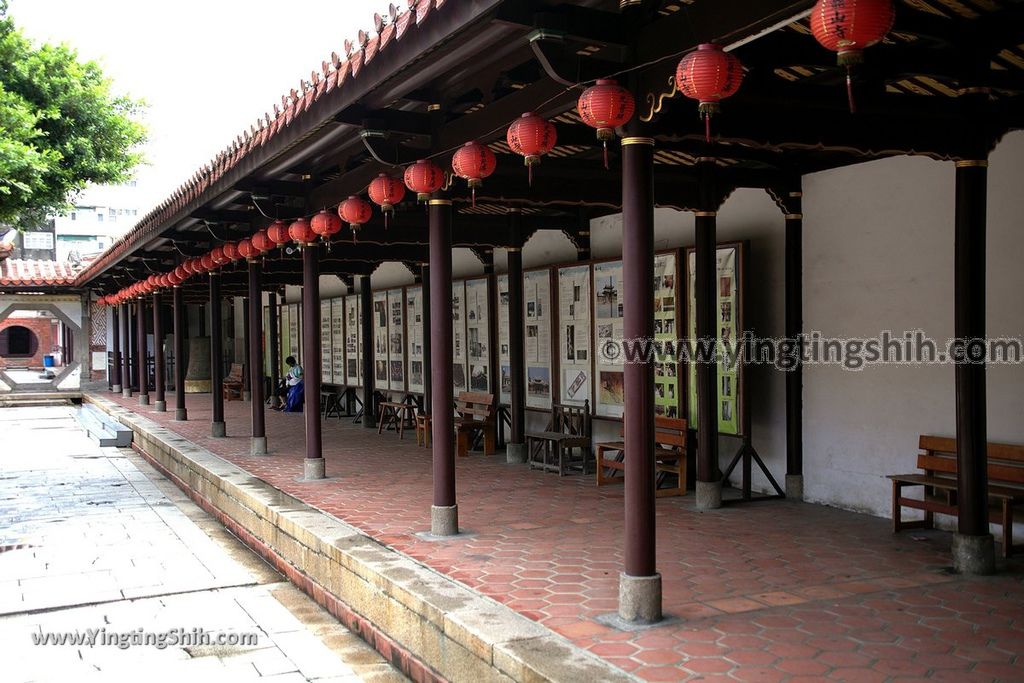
[[60, 127]]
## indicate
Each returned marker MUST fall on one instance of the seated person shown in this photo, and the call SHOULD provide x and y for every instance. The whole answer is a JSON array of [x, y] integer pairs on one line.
[[296, 387]]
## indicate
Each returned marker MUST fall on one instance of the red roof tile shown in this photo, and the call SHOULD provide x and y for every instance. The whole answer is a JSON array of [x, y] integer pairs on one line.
[[35, 273]]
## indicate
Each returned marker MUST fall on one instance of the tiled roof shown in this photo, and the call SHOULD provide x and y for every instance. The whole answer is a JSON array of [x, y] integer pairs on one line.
[[35, 273], [332, 74]]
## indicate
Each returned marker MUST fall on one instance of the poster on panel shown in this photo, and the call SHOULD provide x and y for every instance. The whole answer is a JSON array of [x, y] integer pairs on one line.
[[267, 360], [504, 356], [414, 337], [396, 340], [609, 397], [574, 337], [285, 328], [459, 382], [667, 385], [380, 340], [326, 357], [478, 334], [338, 340], [353, 354], [295, 332], [537, 300]]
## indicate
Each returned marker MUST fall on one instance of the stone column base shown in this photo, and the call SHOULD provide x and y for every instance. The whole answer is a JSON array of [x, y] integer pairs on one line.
[[314, 468], [126, 392], [974, 555], [218, 430], [160, 406], [795, 487], [708, 495], [515, 453], [181, 415], [247, 396], [444, 521], [116, 389], [640, 598], [143, 399], [258, 445]]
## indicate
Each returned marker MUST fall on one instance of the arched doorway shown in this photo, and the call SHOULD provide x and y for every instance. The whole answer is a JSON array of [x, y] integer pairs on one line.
[[18, 341]]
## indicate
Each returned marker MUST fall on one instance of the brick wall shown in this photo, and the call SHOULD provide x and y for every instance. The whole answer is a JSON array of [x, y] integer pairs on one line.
[[45, 330]]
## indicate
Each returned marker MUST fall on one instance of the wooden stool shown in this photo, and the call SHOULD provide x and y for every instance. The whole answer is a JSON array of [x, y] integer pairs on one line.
[[423, 430]]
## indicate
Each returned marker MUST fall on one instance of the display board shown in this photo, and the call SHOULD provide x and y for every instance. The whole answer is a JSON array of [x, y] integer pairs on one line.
[[396, 340], [380, 340], [353, 352], [730, 331], [414, 337], [478, 334], [574, 337], [295, 332], [326, 356], [267, 360], [459, 382], [504, 356], [667, 387], [609, 399], [285, 331], [337, 306], [537, 299]]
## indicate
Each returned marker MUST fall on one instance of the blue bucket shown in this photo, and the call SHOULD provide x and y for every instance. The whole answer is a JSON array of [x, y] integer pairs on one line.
[[48, 361]]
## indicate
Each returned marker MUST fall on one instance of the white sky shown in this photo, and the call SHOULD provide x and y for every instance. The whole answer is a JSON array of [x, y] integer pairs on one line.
[[206, 68]]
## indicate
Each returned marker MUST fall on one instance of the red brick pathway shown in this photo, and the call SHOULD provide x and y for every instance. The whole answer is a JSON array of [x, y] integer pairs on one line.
[[766, 591]]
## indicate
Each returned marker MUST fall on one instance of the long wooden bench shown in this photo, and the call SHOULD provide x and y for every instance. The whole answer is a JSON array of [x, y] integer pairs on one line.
[[937, 459], [476, 415], [233, 383], [669, 457]]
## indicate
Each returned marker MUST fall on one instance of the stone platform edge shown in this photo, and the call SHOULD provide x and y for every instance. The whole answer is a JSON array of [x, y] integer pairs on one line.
[[426, 624]]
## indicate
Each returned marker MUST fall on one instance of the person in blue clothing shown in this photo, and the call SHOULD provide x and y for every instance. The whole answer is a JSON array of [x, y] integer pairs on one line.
[[296, 387]]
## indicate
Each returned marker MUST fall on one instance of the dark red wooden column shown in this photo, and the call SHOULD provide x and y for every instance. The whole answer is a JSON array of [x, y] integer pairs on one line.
[[444, 513], [794, 328], [313, 465], [126, 357], [366, 344], [709, 481], [140, 351], [258, 445], [639, 583], [180, 412], [973, 550], [425, 308], [218, 427], [516, 449], [159, 390], [275, 350], [115, 355], [247, 351]]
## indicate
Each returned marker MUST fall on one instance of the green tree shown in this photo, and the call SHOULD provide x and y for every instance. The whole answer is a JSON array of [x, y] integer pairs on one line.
[[61, 127]]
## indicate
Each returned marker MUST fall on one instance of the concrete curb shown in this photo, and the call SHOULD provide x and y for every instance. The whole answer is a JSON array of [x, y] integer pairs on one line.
[[428, 625]]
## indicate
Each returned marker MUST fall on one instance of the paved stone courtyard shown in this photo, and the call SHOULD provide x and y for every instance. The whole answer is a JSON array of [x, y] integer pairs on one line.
[[767, 591], [95, 539]]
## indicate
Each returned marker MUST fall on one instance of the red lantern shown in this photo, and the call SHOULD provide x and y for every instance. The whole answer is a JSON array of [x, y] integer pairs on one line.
[[531, 137], [325, 224], [302, 232], [424, 177], [261, 240], [180, 274], [606, 106], [208, 262], [709, 75], [386, 191], [278, 233], [231, 251], [195, 266], [173, 278], [218, 256], [246, 250], [847, 27], [355, 211], [474, 162], [164, 281]]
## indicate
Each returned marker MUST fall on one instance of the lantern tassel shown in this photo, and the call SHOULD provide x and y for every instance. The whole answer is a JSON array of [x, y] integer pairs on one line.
[[849, 91], [606, 155], [707, 128], [529, 175], [472, 192]]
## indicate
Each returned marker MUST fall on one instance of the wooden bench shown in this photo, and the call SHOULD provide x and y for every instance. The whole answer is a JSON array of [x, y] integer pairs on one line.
[[398, 414], [669, 457], [568, 430], [475, 416], [939, 483], [233, 383]]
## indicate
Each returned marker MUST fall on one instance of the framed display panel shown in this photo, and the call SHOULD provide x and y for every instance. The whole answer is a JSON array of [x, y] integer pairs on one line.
[[609, 385], [267, 360], [295, 332], [729, 316], [575, 358], [504, 357], [285, 332], [414, 338], [337, 306], [353, 352], [396, 339], [537, 301], [326, 357], [380, 340], [668, 384], [459, 376], [478, 334]]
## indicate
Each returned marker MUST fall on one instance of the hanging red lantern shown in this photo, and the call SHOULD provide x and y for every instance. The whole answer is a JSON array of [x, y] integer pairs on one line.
[[246, 250], [231, 251], [278, 233], [709, 75], [531, 137], [208, 263], [423, 178], [219, 258], [606, 106], [173, 279], [164, 282], [355, 211], [195, 266], [302, 232], [325, 224], [180, 273], [848, 27], [386, 191], [261, 240], [474, 162]]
